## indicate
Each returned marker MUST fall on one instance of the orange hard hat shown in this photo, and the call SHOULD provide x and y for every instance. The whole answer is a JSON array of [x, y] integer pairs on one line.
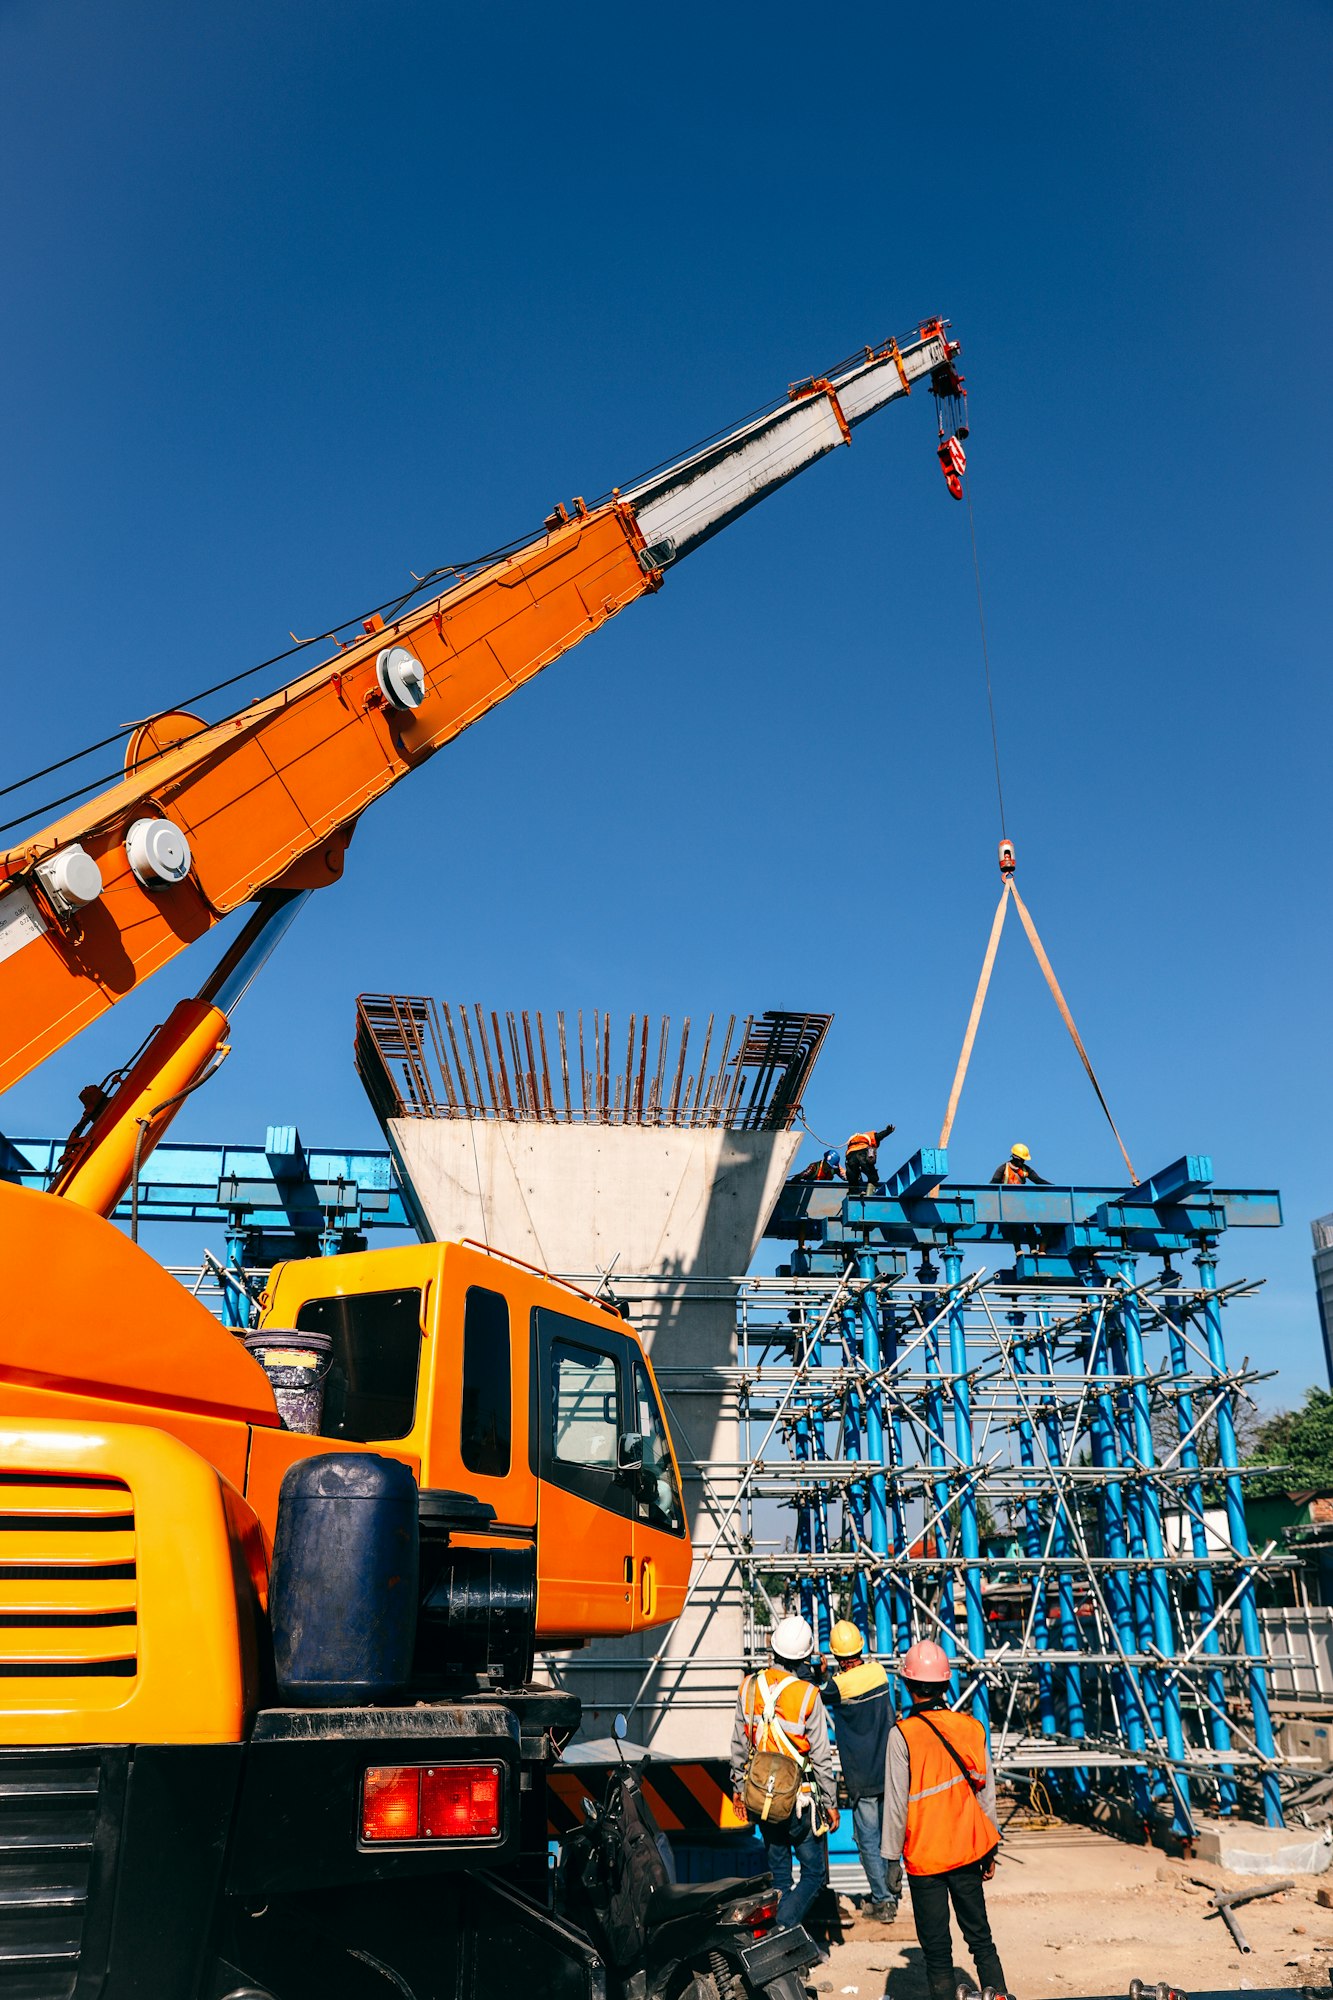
[[927, 1662]]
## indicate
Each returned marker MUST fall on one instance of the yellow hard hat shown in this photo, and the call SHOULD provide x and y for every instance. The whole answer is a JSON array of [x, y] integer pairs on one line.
[[1019, 1152], [846, 1639]]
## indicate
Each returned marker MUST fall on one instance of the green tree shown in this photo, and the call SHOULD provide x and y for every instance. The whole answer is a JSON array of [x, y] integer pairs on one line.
[[1301, 1441]]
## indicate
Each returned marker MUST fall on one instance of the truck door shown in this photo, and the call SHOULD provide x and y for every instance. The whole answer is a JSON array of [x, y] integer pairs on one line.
[[586, 1581], [661, 1544]]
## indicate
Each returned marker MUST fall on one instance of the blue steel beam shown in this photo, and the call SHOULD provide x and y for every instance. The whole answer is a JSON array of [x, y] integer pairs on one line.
[[278, 1189], [1170, 1211]]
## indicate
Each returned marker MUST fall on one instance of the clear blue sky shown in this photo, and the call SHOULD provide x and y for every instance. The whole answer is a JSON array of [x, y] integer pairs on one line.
[[299, 297]]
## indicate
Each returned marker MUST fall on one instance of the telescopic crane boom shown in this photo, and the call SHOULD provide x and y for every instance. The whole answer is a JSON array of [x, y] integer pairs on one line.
[[261, 806]]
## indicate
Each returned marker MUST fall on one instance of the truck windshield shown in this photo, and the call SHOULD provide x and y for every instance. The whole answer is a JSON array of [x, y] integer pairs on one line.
[[372, 1386]]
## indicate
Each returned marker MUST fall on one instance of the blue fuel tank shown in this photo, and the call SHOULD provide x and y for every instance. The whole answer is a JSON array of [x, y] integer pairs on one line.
[[344, 1584]]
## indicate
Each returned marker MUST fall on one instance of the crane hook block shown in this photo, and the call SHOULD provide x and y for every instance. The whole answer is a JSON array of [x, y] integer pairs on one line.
[[1008, 862], [953, 464]]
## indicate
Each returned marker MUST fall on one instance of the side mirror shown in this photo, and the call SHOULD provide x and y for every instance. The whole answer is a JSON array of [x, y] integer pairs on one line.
[[621, 1728], [629, 1452]]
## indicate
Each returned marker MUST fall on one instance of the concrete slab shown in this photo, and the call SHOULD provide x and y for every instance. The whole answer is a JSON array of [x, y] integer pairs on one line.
[[1244, 1848]]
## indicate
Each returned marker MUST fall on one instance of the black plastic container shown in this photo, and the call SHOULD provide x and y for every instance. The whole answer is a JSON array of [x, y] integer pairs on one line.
[[343, 1592]]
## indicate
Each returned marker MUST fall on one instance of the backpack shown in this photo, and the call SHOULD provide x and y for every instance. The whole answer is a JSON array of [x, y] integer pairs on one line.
[[772, 1780]]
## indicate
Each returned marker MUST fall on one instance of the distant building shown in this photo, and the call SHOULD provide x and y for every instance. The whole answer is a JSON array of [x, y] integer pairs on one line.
[[1322, 1231]]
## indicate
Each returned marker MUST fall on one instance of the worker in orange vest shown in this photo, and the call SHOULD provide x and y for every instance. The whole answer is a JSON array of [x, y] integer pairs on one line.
[[1018, 1170], [940, 1823], [862, 1173], [779, 1712]]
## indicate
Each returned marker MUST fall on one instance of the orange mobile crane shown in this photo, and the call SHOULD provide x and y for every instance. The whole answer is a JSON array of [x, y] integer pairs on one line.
[[199, 1823]]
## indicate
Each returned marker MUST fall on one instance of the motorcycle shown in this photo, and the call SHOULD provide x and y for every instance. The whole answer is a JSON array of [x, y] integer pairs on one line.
[[667, 1941]]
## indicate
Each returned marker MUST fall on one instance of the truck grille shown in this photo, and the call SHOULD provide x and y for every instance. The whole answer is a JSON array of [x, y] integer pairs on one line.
[[48, 1819], [68, 1590]]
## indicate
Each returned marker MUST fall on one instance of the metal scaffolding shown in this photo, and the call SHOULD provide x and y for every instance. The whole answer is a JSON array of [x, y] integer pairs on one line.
[[1036, 1465]]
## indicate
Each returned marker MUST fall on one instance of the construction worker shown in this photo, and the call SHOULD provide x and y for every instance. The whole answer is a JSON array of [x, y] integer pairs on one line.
[[1018, 1170], [939, 1821], [857, 1693], [827, 1168], [862, 1174], [779, 1710]]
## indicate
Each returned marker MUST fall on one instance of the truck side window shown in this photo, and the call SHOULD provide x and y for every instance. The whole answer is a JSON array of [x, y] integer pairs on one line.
[[579, 1400], [658, 1496], [372, 1386], [586, 1406], [487, 1424]]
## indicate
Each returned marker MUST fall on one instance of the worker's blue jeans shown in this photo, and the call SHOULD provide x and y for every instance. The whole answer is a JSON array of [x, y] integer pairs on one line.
[[781, 1844], [867, 1822]]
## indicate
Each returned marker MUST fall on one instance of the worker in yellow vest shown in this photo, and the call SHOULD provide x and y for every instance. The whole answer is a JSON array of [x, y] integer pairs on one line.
[[859, 1152], [781, 1731], [860, 1703], [940, 1822]]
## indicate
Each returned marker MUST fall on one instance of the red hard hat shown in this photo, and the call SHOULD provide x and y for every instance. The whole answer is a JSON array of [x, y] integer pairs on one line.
[[927, 1662]]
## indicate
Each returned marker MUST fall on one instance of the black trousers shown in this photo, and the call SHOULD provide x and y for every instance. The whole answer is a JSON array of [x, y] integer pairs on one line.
[[861, 1175], [931, 1896]]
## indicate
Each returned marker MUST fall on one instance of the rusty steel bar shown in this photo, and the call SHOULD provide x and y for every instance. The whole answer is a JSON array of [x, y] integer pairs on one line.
[[484, 1106], [530, 1072], [674, 1119], [643, 1071], [629, 1067], [655, 1094], [717, 1085], [564, 1065], [583, 1070], [520, 1087], [546, 1068], [696, 1096], [458, 1059], [733, 1102], [510, 1108], [486, 1057]]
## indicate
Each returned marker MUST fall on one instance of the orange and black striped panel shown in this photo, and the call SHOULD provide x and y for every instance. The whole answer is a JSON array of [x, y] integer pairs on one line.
[[683, 1798]]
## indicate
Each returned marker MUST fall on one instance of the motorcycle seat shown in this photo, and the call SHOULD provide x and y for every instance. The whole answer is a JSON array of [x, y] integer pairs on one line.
[[685, 1899]]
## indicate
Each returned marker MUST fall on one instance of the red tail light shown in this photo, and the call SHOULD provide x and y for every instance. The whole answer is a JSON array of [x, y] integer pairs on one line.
[[431, 1802], [391, 1804], [755, 1912], [460, 1802]]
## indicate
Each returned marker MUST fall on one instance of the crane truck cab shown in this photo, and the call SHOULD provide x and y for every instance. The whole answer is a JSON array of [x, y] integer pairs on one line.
[[492, 1380]]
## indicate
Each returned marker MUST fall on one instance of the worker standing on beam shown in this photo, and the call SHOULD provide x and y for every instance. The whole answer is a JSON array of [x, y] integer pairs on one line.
[[857, 1693], [1018, 1170], [862, 1172], [940, 1822], [782, 1769]]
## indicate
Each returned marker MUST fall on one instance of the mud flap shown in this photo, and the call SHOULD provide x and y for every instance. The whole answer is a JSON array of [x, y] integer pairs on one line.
[[513, 1949]]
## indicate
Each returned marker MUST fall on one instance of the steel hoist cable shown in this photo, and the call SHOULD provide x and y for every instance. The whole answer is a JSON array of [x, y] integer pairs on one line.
[[985, 654], [1009, 889]]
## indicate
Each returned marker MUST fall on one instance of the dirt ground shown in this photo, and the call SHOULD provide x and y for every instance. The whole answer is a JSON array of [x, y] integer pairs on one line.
[[1074, 1912]]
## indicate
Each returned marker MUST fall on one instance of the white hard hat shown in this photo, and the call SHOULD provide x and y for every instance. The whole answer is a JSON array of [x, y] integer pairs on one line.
[[793, 1639]]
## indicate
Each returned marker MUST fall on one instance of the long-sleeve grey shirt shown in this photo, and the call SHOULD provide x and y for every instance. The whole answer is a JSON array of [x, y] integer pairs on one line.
[[897, 1784], [815, 1727]]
